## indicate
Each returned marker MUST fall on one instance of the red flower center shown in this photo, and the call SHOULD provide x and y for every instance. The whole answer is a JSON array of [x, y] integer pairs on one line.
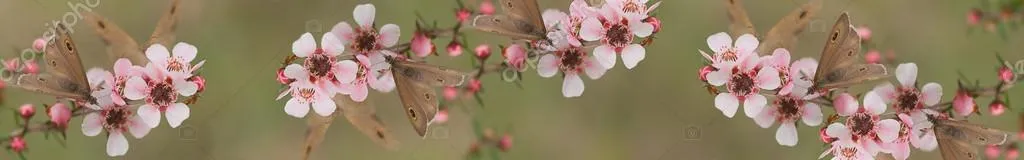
[[908, 100], [742, 84], [116, 118], [365, 41], [789, 108], [862, 125], [572, 59], [618, 34], [174, 64], [320, 65], [162, 94]]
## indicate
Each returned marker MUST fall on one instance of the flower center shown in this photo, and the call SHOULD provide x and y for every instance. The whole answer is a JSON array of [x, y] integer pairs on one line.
[[742, 84], [116, 118], [789, 107], [174, 64], [861, 124], [729, 55], [307, 93], [908, 100], [162, 93], [320, 65], [619, 35], [365, 41], [572, 59], [848, 152], [632, 7]]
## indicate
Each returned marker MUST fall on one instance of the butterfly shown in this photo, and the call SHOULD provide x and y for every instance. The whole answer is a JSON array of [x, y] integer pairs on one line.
[[361, 115], [521, 21], [65, 77], [782, 35], [838, 67], [415, 82], [121, 45], [959, 139]]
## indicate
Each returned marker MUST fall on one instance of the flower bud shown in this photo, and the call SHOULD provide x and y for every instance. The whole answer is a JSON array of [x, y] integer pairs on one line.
[[454, 49], [26, 111]]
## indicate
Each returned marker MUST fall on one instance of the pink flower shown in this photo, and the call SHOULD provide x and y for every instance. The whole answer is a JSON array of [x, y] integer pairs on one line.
[[200, 82], [31, 67], [725, 52], [703, 73], [864, 32], [873, 57], [483, 51], [974, 16], [845, 148], [177, 62], [115, 119], [997, 107], [110, 86], [992, 151], [863, 124], [486, 7], [799, 74], [907, 97], [632, 9], [742, 79], [18, 144], [462, 15], [1006, 75], [474, 85], [369, 72], [160, 91], [281, 78], [364, 39], [27, 111], [59, 115], [441, 117], [11, 64], [515, 57], [321, 66], [1012, 152], [654, 22], [571, 60], [900, 148], [39, 44], [615, 30], [454, 49], [787, 110], [963, 102], [505, 143], [922, 134], [421, 45], [450, 93]]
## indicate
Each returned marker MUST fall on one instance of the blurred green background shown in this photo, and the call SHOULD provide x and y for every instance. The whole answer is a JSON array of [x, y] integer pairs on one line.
[[657, 111]]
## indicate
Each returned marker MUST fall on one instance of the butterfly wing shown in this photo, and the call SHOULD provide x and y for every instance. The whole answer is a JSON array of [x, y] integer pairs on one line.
[[740, 22], [952, 149], [431, 74], [841, 49], [418, 99], [851, 75], [784, 33], [119, 43], [55, 85], [164, 32], [973, 133], [364, 118], [505, 25], [524, 9], [62, 59]]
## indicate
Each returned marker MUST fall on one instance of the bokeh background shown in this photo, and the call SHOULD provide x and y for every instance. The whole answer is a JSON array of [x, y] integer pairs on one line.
[[657, 111]]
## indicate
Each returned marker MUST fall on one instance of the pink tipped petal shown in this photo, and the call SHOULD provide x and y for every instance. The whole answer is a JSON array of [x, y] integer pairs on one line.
[[389, 35], [641, 29], [150, 115], [718, 78], [719, 42], [811, 114], [768, 78], [185, 88], [344, 32], [92, 125], [364, 15], [594, 70], [887, 92], [632, 55], [296, 71], [303, 47], [185, 51], [754, 104], [873, 103], [780, 57], [838, 130], [157, 53], [845, 104], [788, 89], [900, 151], [331, 44], [324, 107], [932, 93], [572, 85], [135, 88], [552, 17], [766, 118], [786, 135], [605, 56], [907, 74], [746, 44], [117, 144], [591, 29], [727, 103], [178, 112], [547, 66], [295, 108], [888, 130], [347, 71], [359, 93], [122, 66], [749, 62], [138, 128]]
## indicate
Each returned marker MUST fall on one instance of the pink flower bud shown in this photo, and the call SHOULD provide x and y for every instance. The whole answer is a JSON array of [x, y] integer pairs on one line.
[[474, 86], [483, 52], [974, 16], [421, 45], [515, 57], [462, 15], [281, 78], [997, 108], [654, 22], [1005, 74], [200, 82], [39, 44], [963, 103], [486, 7], [450, 93], [59, 115], [992, 151], [454, 49], [1012, 152], [505, 143], [18, 144], [824, 137], [441, 117], [873, 57], [31, 67], [704, 72], [864, 32], [26, 111], [11, 64]]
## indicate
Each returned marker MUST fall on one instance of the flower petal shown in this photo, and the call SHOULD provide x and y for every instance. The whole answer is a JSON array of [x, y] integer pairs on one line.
[[389, 35], [932, 93], [907, 74], [157, 53], [135, 88], [185, 51], [746, 44], [295, 108], [811, 114], [117, 144], [347, 71], [296, 71], [838, 130], [887, 92], [641, 29], [572, 85], [786, 135], [548, 65], [304, 46], [888, 130], [605, 55], [92, 125], [364, 15], [766, 118], [344, 32], [177, 113], [768, 78], [185, 88], [780, 57], [719, 42], [845, 104], [594, 70], [873, 103], [138, 128], [591, 29], [331, 44], [727, 103], [632, 55], [123, 66], [324, 107], [719, 77], [359, 93], [150, 115], [754, 104]]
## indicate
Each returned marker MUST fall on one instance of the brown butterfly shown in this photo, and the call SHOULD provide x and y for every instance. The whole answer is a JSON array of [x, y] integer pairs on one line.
[[782, 35], [521, 21], [415, 82], [361, 115], [64, 77], [121, 45], [959, 139], [838, 67]]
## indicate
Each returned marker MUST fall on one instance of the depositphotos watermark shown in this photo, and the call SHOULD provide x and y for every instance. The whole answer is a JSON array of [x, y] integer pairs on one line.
[[69, 19]]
